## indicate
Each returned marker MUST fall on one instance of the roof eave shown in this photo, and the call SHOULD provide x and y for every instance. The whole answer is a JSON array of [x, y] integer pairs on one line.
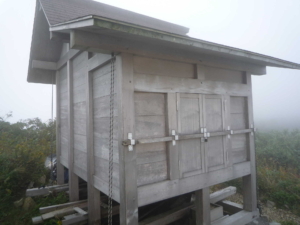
[[99, 22]]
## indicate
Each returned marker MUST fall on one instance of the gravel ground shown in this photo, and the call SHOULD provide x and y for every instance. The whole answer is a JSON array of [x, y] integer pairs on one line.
[[272, 213]]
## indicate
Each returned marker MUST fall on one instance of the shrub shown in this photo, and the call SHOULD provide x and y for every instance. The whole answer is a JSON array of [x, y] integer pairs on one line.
[[23, 148], [278, 168]]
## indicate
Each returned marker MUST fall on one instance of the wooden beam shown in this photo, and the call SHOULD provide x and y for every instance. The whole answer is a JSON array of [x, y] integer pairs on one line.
[[60, 206], [59, 166], [103, 43], [98, 60], [44, 65], [173, 151], [231, 207], [80, 211], [47, 190], [249, 181], [170, 188], [242, 217], [164, 84], [202, 205], [128, 168], [222, 194], [94, 201], [73, 178], [65, 58], [63, 37]]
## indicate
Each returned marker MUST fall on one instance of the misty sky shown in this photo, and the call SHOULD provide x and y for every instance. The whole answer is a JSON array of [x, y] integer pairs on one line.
[[264, 26]]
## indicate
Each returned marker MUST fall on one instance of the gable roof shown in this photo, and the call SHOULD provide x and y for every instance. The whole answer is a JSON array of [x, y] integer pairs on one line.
[[61, 11], [130, 32]]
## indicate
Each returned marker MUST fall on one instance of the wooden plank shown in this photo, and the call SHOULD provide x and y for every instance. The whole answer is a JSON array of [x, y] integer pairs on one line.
[[173, 151], [73, 178], [168, 217], [154, 66], [245, 131], [98, 60], [153, 140], [62, 212], [167, 189], [102, 170], [150, 126], [231, 207], [202, 205], [93, 194], [80, 211], [69, 56], [60, 206], [47, 190], [200, 72], [38, 64], [151, 172], [128, 171], [80, 172], [161, 84], [222, 194], [216, 147], [242, 217], [189, 123], [224, 75], [249, 182], [59, 166], [149, 104], [102, 185], [150, 153]]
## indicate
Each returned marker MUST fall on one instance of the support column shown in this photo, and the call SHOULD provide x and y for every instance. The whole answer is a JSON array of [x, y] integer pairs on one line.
[[202, 205], [73, 178], [173, 151], [128, 173], [249, 182], [59, 166], [94, 209]]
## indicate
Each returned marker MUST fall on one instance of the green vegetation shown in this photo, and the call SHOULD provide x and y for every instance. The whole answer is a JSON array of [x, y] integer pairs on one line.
[[278, 168], [24, 147]]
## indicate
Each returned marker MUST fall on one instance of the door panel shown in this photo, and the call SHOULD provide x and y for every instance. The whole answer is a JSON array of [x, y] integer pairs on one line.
[[214, 121], [189, 122]]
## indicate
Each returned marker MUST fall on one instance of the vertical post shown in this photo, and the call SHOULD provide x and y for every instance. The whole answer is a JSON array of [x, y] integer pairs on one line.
[[128, 173], [173, 151], [94, 208], [59, 166], [73, 178], [249, 182], [202, 205], [227, 122]]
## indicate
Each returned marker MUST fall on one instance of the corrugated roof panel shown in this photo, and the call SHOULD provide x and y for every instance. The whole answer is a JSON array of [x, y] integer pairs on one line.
[[60, 11]]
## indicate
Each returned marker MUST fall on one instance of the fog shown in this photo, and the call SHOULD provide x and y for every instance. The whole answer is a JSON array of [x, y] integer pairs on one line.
[[268, 27]]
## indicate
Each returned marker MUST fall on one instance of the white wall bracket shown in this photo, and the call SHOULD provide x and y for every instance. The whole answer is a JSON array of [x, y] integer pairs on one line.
[[175, 137], [130, 142]]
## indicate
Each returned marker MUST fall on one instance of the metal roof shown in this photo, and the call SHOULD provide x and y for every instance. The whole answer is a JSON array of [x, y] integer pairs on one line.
[[111, 22], [60, 11]]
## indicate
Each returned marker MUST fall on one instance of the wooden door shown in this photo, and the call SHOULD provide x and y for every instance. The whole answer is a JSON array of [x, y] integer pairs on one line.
[[198, 113], [214, 121], [190, 120]]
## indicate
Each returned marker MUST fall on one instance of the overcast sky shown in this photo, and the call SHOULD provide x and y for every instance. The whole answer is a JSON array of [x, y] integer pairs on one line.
[[264, 26]]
